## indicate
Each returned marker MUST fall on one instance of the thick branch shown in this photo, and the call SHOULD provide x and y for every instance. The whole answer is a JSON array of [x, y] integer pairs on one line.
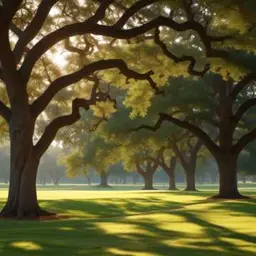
[[41, 103], [131, 11], [242, 84], [60, 122], [5, 112], [213, 148], [33, 28], [139, 169], [16, 30], [90, 28], [7, 11], [197, 146], [63, 121], [180, 156], [243, 109], [192, 60], [101, 11], [242, 143]]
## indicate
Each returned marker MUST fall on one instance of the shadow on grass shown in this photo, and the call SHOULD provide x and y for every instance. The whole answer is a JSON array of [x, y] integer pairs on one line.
[[180, 231]]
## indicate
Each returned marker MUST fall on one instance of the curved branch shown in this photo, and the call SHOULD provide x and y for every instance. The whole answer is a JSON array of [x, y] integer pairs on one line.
[[7, 11], [243, 109], [206, 140], [63, 121], [180, 156], [132, 10], [60, 122], [33, 28], [242, 143], [139, 169], [41, 103], [5, 112], [101, 11], [242, 84], [90, 28], [192, 60]]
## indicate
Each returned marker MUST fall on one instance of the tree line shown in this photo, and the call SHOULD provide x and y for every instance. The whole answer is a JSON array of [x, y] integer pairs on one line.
[[191, 63]]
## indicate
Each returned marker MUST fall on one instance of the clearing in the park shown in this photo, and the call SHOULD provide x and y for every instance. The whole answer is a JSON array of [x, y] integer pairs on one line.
[[120, 221]]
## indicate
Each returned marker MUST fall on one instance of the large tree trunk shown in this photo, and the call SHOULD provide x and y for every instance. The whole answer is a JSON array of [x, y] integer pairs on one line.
[[22, 197], [148, 180], [172, 182], [190, 180], [171, 173], [228, 178], [103, 180], [189, 165]]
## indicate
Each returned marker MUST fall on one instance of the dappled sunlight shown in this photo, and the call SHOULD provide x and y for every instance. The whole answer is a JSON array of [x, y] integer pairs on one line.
[[192, 242], [66, 229], [117, 251], [129, 223], [241, 244], [26, 245], [182, 226], [123, 229]]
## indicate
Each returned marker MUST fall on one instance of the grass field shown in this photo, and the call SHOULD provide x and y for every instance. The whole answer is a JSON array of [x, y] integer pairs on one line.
[[122, 221]]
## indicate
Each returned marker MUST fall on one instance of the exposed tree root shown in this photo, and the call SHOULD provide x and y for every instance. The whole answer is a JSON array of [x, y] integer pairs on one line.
[[15, 213]]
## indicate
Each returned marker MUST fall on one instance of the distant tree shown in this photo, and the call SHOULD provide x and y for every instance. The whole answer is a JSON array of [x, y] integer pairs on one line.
[[226, 84], [28, 32]]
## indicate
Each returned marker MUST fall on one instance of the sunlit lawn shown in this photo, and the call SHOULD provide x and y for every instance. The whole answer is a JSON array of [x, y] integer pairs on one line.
[[122, 222]]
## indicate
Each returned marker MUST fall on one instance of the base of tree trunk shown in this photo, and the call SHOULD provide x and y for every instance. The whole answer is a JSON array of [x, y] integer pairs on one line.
[[191, 190], [234, 196], [35, 214], [149, 188], [103, 186]]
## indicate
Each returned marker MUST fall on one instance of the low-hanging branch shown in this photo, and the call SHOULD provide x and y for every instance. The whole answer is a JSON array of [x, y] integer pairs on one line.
[[5, 112], [163, 117], [190, 59], [243, 109], [42, 102], [250, 77], [244, 141], [66, 120]]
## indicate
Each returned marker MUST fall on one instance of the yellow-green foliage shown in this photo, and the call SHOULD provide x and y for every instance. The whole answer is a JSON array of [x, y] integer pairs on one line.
[[103, 109], [227, 69], [74, 163]]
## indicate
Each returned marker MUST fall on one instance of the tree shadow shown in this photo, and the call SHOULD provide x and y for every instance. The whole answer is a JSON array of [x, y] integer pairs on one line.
[[114, 230]]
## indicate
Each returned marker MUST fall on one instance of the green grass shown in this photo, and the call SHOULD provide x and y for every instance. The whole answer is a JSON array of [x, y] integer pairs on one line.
[[134, 223]]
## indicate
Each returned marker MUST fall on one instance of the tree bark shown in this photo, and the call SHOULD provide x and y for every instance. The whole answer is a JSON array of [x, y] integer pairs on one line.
[[228, 178], [148, 180], [104, 180], [22, 197], [190, 180], [172, 182]]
